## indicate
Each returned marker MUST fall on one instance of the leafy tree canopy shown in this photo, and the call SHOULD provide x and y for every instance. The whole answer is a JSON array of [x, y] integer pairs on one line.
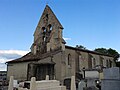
[[80, 46], [109, 51]]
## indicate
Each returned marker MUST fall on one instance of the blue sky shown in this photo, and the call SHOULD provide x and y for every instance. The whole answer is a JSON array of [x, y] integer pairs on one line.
[[91, 23]]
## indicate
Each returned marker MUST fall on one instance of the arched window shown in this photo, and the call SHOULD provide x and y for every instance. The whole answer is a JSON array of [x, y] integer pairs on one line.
[[49, 27], [93, 62], [46, 15], [90, 61], [79, 61], [43, 29], [110, 63], [44, 32], [107, 63], [69, 60], [101, 62]]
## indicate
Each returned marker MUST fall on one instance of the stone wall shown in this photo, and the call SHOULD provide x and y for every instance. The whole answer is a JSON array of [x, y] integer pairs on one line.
[[18, 70], [70, 65]]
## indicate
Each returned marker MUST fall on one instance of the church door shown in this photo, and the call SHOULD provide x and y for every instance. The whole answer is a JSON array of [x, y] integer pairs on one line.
[[44, 69]]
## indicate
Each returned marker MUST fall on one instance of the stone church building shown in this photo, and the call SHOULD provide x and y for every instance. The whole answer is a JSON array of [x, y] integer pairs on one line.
[[50, 56]]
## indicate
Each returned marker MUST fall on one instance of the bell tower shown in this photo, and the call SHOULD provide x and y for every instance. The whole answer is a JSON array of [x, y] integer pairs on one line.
[[48, 33]]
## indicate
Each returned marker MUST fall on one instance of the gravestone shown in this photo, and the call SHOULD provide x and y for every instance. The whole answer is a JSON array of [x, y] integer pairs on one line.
[[47, 77], [110, 84], [111, 73], [10, 87], [81, 85], [111, 79], [73, 85], [33, 83], [41, 85]]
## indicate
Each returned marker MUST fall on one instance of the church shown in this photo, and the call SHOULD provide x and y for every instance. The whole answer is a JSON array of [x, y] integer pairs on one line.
[[51, 56]]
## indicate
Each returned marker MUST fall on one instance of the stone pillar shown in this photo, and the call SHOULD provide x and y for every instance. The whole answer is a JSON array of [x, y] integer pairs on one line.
[[10, 87], [48, 47], [33, 83], [35, 48], [47, 77], [73, 85], [63, 47]]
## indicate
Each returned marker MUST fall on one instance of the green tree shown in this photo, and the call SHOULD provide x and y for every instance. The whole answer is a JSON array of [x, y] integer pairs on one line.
[[109, 51], [113, 53], [80, 46], [101, 50]]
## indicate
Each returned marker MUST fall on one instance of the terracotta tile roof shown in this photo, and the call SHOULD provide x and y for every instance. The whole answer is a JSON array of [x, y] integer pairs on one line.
[[31, 57]]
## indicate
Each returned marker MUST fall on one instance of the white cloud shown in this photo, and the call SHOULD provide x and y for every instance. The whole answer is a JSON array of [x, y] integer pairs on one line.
[[19, 52], [3, 60], [3, 67], [67, 38], [7, 55]]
